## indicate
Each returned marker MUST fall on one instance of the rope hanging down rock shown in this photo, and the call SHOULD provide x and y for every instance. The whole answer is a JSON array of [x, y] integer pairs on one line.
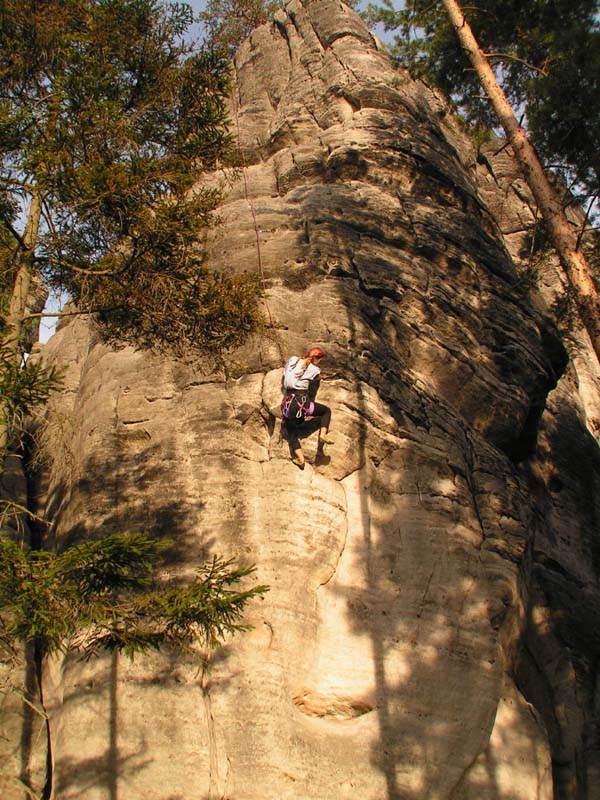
[[252, 211]]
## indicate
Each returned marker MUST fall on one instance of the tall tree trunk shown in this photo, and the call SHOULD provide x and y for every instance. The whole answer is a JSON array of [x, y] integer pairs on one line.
[[563, 235], [17, 307]]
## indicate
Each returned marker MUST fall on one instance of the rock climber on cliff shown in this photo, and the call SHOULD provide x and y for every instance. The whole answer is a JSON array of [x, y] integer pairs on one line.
[[300, 384]]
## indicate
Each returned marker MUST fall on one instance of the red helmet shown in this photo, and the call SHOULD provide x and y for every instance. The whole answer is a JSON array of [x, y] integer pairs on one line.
[[315, 352]]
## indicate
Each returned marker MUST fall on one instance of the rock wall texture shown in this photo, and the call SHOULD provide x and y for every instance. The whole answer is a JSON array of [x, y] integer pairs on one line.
[[431, 631]]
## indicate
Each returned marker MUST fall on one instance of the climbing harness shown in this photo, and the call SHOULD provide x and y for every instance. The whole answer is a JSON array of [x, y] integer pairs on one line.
[[296, 406]]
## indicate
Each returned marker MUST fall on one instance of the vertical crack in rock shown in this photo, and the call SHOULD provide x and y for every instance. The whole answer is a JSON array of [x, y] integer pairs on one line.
[[457, 792], [215, 791], [280, 19], [469, 478], [343, 541]]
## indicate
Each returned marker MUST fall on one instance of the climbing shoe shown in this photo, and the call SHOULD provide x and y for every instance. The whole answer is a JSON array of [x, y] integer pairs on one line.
[[326, 439], [298, 463]]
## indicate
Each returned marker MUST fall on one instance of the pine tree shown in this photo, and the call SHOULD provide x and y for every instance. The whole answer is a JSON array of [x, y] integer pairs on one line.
[[104, 596], [107, 121], [546, 56], [564, 237]]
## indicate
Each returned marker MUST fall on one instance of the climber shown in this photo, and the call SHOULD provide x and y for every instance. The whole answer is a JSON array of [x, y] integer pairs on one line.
[[300, 384]]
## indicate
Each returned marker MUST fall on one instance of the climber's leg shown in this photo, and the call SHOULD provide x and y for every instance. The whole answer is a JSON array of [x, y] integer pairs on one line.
[[324, 412], [294, 441]]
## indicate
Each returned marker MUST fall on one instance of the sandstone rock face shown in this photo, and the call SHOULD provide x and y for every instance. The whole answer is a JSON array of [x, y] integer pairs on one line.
[[431, 627]]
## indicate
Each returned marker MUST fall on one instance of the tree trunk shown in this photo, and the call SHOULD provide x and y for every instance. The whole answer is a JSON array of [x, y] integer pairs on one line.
[[563, 235], [17, 307]]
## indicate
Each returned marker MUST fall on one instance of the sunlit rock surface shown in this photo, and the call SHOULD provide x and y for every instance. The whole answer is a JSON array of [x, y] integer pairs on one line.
[[432, 625]]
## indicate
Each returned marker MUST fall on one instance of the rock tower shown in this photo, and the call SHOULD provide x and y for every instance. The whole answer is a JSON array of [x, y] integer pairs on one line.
[[432, 626]]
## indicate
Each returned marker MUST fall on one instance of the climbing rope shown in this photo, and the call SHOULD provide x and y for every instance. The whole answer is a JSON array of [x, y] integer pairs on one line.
[[252, 211]]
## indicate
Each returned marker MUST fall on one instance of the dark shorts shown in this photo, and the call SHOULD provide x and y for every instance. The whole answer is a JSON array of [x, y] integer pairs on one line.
[[293, 422]]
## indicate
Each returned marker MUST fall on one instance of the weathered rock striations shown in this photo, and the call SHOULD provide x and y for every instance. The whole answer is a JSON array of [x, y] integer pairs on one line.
[[431, 628], [557, 659]]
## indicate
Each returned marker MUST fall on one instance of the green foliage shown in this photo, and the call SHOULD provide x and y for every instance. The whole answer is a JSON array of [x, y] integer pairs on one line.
[[480, 136], [536, 242], [23, 386], [229, 22], [547, 58], [108, 113], [563, 108], [207, 309], [101, 595], [205, 610]]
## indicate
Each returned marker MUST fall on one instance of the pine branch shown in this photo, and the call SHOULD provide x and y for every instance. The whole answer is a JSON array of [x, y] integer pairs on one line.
[[101, 595], [14, 232], [61, 314], [510, 57]]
